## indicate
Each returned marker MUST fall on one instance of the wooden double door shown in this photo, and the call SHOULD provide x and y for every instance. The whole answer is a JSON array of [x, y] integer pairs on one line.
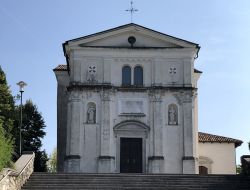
[[131, 155]]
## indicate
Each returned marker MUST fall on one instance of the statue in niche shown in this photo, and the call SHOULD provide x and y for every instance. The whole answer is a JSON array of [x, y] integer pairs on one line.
[[91, 115], [91, 75], [172, 114]]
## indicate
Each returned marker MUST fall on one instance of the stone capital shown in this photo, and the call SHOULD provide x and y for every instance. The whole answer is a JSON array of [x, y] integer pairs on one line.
[[74, 96], [155, 96], [105, 95], [185, 97]]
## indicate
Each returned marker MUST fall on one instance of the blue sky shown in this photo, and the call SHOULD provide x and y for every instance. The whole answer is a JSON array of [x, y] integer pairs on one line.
[[32, 33]]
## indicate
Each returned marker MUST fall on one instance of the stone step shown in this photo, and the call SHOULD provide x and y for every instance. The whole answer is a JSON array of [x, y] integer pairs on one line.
[[39, 181]]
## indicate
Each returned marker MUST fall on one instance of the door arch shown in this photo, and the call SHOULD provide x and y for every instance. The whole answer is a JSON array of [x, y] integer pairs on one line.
[[128, 132], [205, 165]]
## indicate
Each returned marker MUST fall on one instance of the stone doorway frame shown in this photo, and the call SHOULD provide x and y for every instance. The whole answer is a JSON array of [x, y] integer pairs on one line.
[[206, 162], [132, 129], [137, 154]]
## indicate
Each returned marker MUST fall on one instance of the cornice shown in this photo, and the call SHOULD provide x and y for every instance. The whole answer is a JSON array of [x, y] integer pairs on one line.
[[104, 86]]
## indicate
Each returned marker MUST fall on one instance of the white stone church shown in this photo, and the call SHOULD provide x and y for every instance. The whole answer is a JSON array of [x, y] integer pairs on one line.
[[127, 103]]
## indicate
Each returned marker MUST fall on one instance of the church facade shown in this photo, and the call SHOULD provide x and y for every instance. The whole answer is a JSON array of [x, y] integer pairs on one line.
[[127, 103]]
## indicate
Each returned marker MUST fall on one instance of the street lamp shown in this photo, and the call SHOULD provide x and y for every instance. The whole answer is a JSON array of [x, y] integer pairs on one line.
[[21, 85]]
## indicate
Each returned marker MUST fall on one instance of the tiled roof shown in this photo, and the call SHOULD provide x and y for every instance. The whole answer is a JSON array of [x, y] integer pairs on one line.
[[205, 137], [61, 68]]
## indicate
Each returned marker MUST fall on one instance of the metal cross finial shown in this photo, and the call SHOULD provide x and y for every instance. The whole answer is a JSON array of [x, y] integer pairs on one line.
[[132, 10]]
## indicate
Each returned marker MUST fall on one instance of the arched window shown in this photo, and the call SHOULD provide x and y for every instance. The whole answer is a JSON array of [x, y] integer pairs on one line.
[[138, 76], [126, 75], [91, 113], [172, 114]]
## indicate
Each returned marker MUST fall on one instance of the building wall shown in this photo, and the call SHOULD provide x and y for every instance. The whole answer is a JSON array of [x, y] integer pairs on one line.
[[168, 78], [156, 65], [222, 156], [62, 103]]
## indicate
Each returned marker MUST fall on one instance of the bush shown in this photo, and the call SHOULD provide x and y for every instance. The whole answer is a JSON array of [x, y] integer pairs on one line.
[[6, 149]]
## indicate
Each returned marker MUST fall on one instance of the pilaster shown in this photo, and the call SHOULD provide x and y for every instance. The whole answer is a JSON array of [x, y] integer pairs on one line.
[[72, 159], [106, 162], [189, 136], [156, 161]]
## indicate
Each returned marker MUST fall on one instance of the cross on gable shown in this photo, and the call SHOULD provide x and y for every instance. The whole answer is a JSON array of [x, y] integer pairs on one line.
[[132, 10]]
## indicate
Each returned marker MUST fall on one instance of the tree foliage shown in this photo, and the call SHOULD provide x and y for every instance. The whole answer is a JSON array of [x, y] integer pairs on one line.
[[40, 161], [32, 128], [238, 169], [6, 149], [6, 105], [32, 134], [52, 163], [6, 122]]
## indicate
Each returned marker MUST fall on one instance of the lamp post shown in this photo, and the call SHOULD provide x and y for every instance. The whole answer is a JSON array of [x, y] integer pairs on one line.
[[21, 85]]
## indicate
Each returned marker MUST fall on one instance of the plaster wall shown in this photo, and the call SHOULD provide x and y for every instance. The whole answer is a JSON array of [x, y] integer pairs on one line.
[[62, 102], [222, 156], [156, 67], [121, 40], [89, 145]]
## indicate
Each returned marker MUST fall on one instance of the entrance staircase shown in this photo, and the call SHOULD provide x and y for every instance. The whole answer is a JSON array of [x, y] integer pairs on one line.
[[62, 181]]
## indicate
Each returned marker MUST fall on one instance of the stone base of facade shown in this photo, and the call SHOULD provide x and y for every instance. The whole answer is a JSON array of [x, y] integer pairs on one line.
[[72, 164], [106, 164], [156, 164], [189, 165]]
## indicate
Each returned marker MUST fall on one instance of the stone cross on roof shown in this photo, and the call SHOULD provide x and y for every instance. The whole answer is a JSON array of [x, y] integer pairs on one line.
[[132, 10]]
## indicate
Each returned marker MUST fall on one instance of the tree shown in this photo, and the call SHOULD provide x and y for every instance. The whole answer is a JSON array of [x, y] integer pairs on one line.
[[7, 106], [238, 169], [40, 161], [6, 122], [32, 134], [6, 149], [51, 164]]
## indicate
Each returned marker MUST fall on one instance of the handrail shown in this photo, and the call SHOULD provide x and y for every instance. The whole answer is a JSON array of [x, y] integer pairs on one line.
[[5, 176], [14, 179], [15, 173]]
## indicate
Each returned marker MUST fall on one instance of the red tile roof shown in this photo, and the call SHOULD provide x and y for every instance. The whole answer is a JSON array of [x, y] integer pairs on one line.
[[61, 68], [205, 137]]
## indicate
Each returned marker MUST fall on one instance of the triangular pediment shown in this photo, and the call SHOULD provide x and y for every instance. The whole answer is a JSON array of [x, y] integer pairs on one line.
[[118, 37]]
